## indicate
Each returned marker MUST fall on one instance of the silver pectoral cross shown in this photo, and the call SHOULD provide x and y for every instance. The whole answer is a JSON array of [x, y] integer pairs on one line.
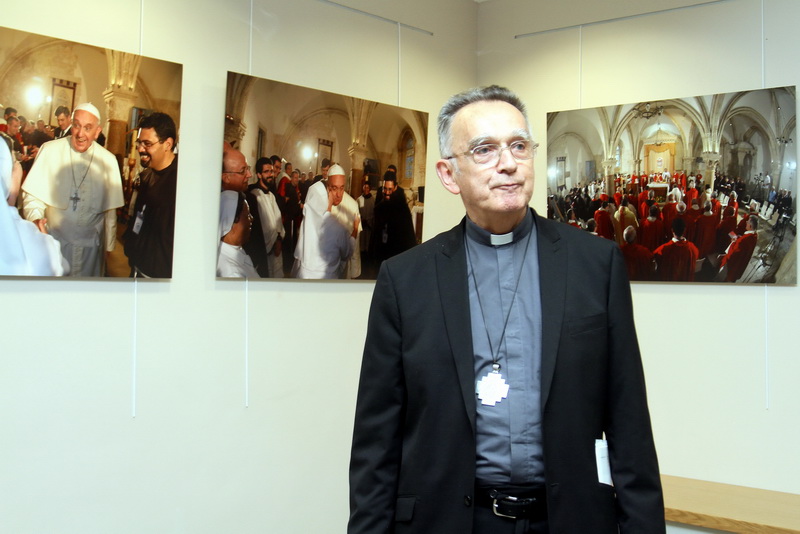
[[492, 388], [75, 198]]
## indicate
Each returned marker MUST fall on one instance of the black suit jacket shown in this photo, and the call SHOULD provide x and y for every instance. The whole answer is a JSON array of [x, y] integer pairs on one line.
[[413, 457]]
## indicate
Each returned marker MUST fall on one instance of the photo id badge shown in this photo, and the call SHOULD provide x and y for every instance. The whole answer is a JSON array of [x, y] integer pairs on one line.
[[137, 224]]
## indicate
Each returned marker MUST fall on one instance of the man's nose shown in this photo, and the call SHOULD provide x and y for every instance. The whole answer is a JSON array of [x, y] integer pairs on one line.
[[506, 161]]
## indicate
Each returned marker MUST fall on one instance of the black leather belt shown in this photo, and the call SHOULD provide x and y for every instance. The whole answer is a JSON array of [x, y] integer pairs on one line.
[[527, 504]]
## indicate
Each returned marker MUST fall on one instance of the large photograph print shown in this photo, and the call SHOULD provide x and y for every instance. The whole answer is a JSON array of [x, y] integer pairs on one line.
[[698, 189], [88, 159], [316, 185]]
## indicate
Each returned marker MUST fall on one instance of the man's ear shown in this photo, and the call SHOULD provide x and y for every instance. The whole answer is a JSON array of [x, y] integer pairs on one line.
[[446, 173]]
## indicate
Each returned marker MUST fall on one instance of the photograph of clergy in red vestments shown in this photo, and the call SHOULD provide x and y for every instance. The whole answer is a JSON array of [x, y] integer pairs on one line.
[[648, 164]]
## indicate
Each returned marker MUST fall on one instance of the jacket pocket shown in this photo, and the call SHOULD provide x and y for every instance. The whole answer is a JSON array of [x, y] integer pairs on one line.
[[404, 510], [581, 325]]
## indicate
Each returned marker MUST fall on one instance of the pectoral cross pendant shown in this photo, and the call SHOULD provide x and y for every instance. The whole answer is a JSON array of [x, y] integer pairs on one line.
[[492, 388], [74, 198]]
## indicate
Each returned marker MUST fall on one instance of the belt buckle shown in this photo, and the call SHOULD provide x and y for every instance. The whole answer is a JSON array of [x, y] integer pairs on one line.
[[502, 498]]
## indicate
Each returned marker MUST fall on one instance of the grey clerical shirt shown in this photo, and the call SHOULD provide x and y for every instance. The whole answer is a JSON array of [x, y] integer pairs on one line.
[[509, 434]]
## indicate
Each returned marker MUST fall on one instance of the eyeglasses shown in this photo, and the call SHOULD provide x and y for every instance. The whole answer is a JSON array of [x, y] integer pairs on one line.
[[243, 171], [489, 153], [147, 144]]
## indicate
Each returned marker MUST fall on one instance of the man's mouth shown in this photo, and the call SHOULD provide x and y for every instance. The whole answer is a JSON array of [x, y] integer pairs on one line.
[[507, 187]]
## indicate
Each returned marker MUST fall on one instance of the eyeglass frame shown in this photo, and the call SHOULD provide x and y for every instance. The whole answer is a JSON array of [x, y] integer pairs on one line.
[[247, 168], [471, 152], [147, 144]]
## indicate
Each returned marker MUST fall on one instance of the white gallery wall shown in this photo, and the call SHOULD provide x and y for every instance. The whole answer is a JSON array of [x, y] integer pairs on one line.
[[203, 406]]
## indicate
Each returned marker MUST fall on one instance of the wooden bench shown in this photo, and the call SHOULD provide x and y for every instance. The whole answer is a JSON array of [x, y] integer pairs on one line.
[[730, 508]]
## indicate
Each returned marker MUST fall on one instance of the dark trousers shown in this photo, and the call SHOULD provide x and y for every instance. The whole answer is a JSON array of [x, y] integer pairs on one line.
[[485, 522]]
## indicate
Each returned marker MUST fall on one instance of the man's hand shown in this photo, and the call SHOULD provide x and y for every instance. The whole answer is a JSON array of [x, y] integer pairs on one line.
[[356, 222], [277, 248], [330, 199], [41, 225]]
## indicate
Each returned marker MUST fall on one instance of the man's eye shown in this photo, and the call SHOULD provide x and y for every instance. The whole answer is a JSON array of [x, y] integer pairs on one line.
[[519, 146], [484, 150]]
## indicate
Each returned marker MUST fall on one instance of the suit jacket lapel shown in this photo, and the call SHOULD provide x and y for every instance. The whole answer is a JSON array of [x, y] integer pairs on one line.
[[451, 269], [553, 283]]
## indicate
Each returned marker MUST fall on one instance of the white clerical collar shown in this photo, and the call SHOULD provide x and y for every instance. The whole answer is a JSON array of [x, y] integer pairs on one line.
[[484, 237], [501, 239]]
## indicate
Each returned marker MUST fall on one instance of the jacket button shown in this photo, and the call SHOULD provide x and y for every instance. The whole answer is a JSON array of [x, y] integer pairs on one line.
[[467, 500]]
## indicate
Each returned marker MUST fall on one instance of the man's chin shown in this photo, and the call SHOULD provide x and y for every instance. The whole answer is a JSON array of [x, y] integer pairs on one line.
[[81, 147]]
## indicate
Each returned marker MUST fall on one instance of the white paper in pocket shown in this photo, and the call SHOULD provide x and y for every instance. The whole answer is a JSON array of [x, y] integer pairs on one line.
[[603, 465]]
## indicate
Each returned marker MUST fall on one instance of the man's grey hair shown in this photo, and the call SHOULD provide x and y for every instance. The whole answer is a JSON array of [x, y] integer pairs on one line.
[[629, 234], [470, 96]]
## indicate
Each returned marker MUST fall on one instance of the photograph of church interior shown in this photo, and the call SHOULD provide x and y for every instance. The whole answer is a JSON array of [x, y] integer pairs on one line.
[[714, 161], [309, 131], [203, 405], [44, 79]]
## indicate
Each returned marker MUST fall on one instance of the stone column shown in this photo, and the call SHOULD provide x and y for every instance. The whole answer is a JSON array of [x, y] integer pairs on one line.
[[710, 160], [236, 94], [687, 165], [120, 96], [608, 178], [357, 156], [360, 113], [234, 130]]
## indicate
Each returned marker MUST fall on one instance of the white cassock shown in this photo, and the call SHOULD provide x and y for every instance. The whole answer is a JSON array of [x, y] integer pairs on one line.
[[24, 250], [233, 262], [346, 213], [271, 226], [324, 245], [78, 194]]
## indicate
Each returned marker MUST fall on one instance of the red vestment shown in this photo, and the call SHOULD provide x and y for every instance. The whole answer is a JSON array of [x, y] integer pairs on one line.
[[690, 195], [739, 255], [741, 228], [605, 226], [705, 234], [676, 261], [668, 212], [642, 198], [651, 234], [691, 217], [639, 261], [724, 228], [716, 209]]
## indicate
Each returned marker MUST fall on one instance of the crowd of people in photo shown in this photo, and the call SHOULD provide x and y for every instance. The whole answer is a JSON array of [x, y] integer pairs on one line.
[[285, 223], [63, 183], [675, 227], [65, 199]]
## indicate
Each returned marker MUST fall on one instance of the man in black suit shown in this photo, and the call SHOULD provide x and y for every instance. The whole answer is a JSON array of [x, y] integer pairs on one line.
[[64, 118], [501, 387]]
